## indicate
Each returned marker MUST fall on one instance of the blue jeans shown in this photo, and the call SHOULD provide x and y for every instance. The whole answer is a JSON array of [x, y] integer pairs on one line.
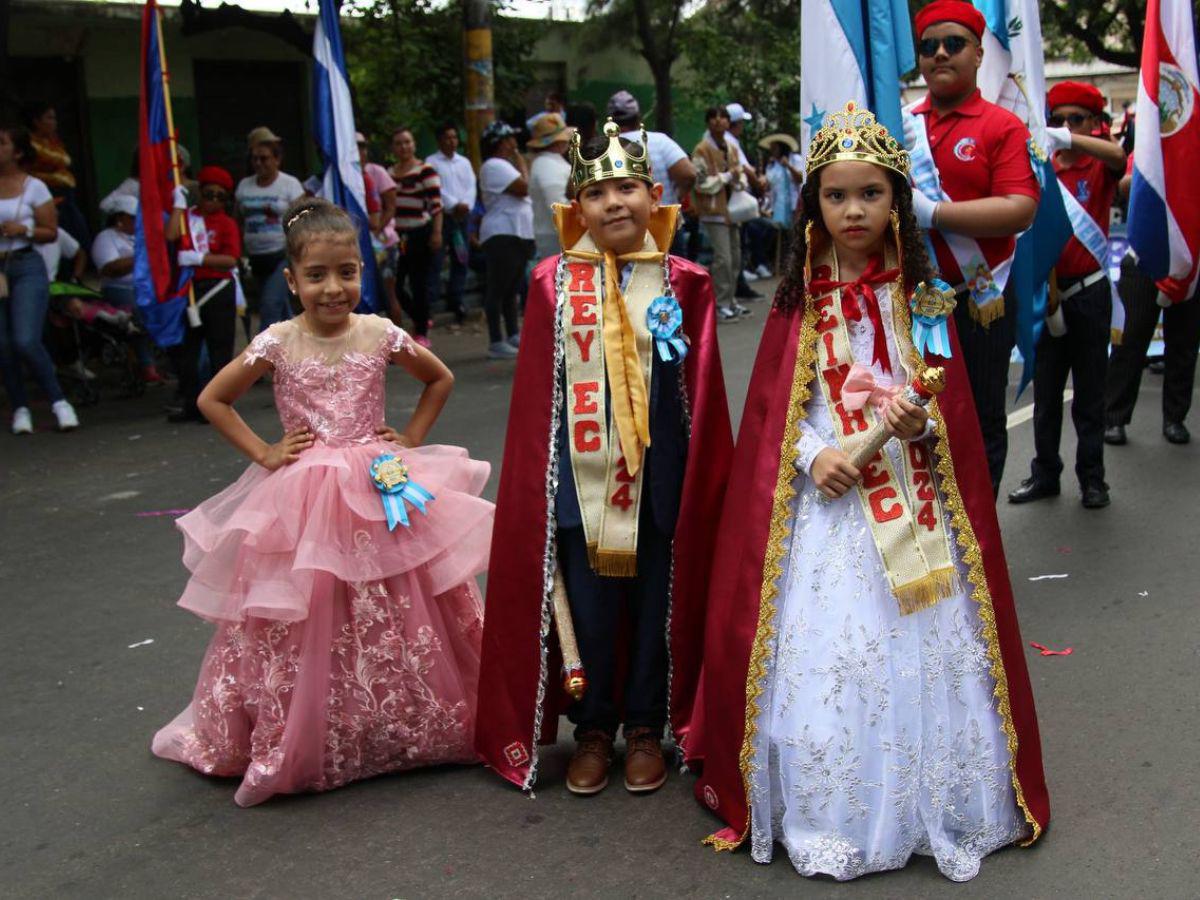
[[125, 298], [273, 303], [452, 232], [22, 320]]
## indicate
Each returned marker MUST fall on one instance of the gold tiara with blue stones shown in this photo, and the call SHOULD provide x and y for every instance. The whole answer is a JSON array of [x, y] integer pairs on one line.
[[853, 134], [617, 162]]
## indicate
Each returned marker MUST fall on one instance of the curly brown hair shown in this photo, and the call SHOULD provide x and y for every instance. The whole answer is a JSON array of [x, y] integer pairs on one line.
[[917, 267]]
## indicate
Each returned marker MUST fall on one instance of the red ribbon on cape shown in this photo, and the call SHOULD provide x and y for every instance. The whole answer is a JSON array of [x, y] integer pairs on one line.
[[862, 289]]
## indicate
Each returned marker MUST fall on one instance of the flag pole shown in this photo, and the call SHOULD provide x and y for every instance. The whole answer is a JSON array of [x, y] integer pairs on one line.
[[171, 139]]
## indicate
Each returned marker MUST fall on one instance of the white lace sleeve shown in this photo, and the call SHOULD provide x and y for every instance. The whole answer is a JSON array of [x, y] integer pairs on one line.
[[266, 345], [807, 448], [397, 339]]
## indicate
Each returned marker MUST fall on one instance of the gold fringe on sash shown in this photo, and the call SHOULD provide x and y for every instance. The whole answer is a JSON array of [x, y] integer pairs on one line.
[[988, 314], [926, 591], [612, 563]]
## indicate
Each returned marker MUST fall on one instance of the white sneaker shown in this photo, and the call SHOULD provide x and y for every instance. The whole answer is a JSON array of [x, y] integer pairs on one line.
[[22, 422], [763, 271], [79, 370], [724, 314], [65, 413], [749, 275], [502, 350], [514, 340]]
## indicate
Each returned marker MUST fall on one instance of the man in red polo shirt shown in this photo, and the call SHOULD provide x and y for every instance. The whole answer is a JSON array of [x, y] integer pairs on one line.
[[1089, 165], [982, 158]]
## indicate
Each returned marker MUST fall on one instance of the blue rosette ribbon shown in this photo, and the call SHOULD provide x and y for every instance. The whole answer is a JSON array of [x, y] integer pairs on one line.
[[390, 477], [931, 304], [664, 319]]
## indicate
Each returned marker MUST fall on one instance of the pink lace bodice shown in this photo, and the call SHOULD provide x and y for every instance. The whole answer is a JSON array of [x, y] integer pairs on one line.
[[334, 386]]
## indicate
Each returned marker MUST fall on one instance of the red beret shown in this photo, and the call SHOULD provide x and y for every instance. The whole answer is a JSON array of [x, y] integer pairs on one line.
[[215, 175], [957, 11], [1076, 93]]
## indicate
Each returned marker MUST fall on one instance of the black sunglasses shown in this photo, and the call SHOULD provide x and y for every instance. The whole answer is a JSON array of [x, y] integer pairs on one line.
[[1074, 120], [213, 195], [954, 44]]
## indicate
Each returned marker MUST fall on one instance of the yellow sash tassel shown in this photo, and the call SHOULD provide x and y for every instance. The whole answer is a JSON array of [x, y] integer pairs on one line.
[[926, 591], [612, 563], [988, 314]]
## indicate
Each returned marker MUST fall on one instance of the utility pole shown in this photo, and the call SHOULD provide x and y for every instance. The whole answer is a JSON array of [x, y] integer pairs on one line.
[[480, 99]]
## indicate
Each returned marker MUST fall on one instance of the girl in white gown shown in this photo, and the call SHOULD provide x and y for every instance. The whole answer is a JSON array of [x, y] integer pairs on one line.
[[877, 717]]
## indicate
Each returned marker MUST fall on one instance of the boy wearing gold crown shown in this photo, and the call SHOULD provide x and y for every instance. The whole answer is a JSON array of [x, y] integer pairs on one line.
[[864, 694], [615, 463]]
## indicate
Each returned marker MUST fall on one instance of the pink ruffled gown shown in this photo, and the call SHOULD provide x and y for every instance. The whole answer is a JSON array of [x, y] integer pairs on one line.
[[343, 650]]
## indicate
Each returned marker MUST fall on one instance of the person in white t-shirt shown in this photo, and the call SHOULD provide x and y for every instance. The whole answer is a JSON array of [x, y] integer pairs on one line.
[[112, 253], [506, 234], [669, 164], [548, 176], [458, 196], [27, 216], [262, 199]]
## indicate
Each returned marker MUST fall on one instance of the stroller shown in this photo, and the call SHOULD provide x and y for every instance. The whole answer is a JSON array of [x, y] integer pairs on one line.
[[91, 344]]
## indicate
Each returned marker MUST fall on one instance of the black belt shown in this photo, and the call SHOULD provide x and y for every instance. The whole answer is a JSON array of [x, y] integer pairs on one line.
[[11, 253]]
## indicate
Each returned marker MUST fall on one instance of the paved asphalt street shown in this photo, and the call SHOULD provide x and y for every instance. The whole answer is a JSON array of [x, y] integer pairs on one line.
[[94, 657]]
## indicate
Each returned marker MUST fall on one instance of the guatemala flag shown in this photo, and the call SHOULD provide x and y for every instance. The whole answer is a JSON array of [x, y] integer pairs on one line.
[[160, 304], [1164, 204], [853, 50], [333, 117], [1013, 76]]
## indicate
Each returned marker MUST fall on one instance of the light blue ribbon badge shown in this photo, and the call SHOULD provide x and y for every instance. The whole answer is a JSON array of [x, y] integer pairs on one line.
[[390, 475], [931, 304], [664, 318]]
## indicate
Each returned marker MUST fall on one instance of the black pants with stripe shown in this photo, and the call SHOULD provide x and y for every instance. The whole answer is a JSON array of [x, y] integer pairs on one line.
[[1081, 353], [605, 610], [987, 352], [1181, 334]]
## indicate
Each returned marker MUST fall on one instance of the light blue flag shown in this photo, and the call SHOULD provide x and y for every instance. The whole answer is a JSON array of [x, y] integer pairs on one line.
[[333, 120]]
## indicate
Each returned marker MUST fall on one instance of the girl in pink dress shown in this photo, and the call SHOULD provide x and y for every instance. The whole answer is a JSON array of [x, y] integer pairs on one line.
[[345, 648]]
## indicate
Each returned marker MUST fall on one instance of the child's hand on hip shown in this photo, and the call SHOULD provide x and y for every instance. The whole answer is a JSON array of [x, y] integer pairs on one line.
[[288, 450], [904, 419], [833, 473], [388, 433]]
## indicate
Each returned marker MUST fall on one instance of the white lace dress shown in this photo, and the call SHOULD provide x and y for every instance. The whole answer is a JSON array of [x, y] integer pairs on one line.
[[878, 735]]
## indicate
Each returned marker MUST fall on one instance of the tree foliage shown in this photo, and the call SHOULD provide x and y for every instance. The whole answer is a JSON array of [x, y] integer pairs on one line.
[[748, 51], [405, 61], [659, 30]]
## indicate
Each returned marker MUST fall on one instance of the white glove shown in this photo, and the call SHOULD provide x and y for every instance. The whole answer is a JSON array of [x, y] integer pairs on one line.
[[1163, 301], [1058, 139], [179, 197], [923, 209], [726, 177], [190, 258]]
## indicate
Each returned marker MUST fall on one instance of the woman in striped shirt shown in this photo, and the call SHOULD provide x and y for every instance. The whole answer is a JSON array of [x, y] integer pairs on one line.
[[419, 227]]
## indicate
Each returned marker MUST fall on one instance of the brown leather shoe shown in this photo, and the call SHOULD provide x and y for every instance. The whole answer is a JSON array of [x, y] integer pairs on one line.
[[587, 772], [645, 769]]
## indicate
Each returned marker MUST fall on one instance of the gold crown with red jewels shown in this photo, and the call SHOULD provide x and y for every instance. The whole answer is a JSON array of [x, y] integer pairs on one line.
[[616, 161], [853, 134]]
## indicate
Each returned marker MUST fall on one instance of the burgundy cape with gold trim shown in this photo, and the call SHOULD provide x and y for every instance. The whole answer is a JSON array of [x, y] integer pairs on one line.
[[520, 692], [720, 719]]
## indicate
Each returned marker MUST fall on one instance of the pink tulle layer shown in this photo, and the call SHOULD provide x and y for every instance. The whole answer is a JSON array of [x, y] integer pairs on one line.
[[380, 677], [257, 547], [343, 649]]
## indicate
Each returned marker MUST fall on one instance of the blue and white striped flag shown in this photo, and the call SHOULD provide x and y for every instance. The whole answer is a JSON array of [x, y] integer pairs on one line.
[[333, 119], [1013, 76], [853, 50]]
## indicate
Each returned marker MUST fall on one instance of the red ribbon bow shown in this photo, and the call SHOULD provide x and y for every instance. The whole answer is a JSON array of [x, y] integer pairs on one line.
[[861, 290]]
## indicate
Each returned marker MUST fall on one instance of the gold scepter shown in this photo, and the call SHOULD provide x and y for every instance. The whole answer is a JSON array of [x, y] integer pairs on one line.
[[927, 385], [575, 682]]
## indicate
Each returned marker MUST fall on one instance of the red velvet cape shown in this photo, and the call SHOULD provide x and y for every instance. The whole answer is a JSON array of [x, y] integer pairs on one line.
[[719, 723], [516, 689]]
